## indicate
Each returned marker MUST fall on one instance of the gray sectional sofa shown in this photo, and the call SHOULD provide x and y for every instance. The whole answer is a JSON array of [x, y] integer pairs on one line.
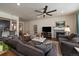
[[68, 44], [24, 49]]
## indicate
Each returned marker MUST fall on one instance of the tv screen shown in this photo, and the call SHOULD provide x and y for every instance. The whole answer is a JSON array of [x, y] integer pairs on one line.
[[46, 29]]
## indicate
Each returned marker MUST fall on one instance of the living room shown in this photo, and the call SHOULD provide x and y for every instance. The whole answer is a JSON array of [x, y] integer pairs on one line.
[[39, 25]]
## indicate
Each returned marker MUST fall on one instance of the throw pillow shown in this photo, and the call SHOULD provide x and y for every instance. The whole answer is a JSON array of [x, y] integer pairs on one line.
[[71, 36]]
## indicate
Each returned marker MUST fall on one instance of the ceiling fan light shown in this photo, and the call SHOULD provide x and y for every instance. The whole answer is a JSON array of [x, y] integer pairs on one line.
[[44, 14]]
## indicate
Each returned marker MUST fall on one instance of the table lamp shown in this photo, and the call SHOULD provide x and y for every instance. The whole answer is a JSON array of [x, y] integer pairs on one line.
[[67, 30]]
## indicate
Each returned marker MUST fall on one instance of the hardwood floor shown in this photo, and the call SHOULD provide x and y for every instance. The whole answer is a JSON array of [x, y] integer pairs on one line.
[[57, 46]]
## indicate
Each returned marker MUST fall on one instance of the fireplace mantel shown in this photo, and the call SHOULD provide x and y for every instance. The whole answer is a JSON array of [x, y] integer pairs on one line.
[[58, 29]]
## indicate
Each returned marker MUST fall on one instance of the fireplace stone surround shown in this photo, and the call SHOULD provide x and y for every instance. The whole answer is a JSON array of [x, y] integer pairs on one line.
[[58, 31]]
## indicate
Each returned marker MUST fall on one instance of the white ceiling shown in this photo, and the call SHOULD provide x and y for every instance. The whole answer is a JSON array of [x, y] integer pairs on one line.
[[26, 10]]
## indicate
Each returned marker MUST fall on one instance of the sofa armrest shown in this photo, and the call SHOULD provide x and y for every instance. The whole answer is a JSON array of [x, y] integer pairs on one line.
[[29, 50], [72, 44], [67, 49], [16, 52]]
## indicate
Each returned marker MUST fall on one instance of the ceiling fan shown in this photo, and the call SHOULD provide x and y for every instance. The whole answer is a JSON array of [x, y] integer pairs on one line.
[[45, 12]]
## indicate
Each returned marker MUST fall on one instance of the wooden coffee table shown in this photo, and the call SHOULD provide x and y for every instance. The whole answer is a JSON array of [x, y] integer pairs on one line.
[[7, 53]]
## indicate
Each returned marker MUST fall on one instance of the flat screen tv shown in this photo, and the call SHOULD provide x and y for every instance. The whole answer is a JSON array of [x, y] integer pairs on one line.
[[46, 29], [4, 24]]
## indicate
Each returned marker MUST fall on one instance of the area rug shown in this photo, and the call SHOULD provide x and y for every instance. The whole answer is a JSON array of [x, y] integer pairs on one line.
[[57, 48]]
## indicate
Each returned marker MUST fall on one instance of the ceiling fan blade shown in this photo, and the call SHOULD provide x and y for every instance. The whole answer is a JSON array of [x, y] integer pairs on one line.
[[45, 9], [39, 14], [51, 11], [38, 11], [49, 14]]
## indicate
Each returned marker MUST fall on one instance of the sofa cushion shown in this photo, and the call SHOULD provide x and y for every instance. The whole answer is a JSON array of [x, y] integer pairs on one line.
[[76, 39], [12, 41], [27, 38]]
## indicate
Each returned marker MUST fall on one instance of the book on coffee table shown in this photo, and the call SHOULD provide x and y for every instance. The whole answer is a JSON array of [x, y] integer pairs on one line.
[[39, 39]]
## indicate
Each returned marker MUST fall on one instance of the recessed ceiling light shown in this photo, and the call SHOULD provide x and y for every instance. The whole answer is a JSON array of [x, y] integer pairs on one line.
[[18, 4]]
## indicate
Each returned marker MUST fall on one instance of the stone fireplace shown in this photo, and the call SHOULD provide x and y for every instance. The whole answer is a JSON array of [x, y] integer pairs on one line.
[[58, 31]]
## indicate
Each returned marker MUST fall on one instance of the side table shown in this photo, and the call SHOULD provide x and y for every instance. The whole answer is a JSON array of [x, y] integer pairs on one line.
[[7, 53], [2, 52]]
